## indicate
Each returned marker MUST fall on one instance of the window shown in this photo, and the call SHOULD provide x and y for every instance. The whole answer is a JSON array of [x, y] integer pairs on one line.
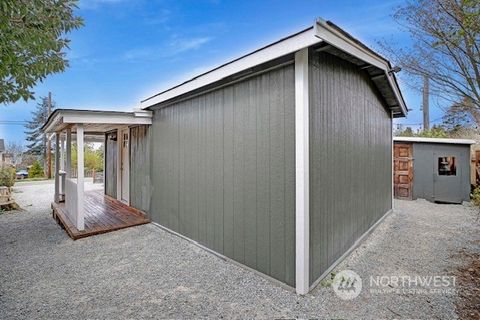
[[447, 166]]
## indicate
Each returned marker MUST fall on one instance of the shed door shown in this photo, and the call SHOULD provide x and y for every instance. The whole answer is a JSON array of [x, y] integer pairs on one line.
[[403, 170], [447, 177]]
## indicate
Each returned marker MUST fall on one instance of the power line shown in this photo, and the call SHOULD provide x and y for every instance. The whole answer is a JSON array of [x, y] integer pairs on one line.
[[420, 123]]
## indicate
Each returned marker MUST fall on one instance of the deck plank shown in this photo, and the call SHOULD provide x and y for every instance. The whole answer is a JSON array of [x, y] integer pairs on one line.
[[102, 214]]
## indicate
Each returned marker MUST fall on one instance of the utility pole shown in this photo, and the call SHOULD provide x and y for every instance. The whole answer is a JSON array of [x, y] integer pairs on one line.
[[425, 103], [49, 144]]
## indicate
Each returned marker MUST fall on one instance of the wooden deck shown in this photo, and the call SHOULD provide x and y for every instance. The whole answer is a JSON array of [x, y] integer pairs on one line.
[[102, 214]]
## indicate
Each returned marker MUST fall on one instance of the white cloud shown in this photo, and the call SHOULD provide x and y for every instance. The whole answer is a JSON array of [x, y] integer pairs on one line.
[[93, 4], [174, 47]]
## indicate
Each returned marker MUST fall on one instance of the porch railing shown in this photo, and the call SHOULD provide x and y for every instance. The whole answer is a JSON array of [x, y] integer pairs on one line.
[[74, 210]]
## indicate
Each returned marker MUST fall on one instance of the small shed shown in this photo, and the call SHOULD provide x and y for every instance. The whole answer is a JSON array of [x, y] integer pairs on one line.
[[434, 169], [258, 160]]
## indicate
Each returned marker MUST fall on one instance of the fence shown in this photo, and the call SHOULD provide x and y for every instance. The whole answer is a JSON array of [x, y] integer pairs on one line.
[[96, 175]]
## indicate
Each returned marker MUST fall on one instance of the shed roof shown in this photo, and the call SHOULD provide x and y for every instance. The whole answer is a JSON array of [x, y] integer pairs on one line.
[[95, 121], [324, 34], [434, 140]]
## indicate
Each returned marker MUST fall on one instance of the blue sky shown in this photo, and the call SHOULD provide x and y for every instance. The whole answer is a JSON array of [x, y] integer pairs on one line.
[[131, 49]]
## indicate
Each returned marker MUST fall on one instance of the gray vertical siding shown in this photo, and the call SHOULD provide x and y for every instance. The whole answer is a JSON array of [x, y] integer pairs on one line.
[[223, 170], [350, 158], [426, 184], [111, 164], [140, 167]]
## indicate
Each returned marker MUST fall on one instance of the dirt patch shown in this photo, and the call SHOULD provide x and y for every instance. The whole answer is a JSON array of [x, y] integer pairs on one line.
[[468, 282]]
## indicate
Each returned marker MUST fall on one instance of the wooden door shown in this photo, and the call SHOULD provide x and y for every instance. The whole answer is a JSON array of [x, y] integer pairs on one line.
[[125, 167], [403, 170]]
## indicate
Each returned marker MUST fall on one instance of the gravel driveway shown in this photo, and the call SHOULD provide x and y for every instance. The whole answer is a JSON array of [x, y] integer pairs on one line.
[[145, 272]]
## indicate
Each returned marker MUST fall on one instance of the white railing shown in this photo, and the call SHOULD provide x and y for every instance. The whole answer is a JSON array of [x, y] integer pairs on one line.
[[73, 206]]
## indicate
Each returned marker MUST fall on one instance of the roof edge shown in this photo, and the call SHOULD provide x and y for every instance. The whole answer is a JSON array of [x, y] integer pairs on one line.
[[434, 140]]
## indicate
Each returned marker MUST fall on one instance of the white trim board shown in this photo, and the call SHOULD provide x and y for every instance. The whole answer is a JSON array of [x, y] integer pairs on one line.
[[433, 140], [302, 188], [61, 118], [321, 31], [271, 52]]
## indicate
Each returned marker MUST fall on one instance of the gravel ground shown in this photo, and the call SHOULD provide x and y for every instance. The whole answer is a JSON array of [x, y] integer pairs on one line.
[[145, 272]]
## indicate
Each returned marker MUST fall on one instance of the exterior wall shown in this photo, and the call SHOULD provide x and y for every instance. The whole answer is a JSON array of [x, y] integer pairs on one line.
[[223, 171], [426, 179], [350, 159], [111, 155], [140, 168]]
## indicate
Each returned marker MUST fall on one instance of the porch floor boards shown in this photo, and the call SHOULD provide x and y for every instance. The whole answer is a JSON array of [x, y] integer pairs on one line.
[[102, 214]]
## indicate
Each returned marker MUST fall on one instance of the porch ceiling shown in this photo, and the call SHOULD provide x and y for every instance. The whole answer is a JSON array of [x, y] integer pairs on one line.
[[94, 121]]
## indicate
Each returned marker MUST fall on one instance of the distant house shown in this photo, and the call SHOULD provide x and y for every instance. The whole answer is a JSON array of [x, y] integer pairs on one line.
[[280, 160]]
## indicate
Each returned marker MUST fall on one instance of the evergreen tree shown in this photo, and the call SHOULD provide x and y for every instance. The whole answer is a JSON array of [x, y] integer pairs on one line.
[[37, 140]]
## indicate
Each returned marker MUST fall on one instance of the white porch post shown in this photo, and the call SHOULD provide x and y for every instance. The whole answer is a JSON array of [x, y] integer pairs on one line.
[[57, 167], [80, 179], [302, 191], [62, 152], [68, 165]]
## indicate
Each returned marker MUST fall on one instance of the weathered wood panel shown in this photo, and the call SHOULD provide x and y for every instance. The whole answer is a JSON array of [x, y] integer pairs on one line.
[[140, 168], [403, 170], [111, 164], [350, 158], [223, 170]]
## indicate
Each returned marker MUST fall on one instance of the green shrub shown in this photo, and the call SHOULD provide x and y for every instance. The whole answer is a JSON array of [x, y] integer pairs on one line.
[[7, 176], [36, 170], [476, 196]]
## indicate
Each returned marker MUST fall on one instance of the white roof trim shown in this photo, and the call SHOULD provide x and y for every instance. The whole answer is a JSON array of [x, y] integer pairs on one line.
[[434, 140], [344, 43], [320, 32], [281, 48], [60, 118]]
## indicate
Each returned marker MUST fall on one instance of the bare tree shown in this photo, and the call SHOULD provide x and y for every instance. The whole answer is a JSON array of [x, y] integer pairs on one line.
[[445, 48], [16, 149]]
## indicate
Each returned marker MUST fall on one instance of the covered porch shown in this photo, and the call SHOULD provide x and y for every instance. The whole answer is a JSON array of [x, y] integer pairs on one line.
[[84, 213]]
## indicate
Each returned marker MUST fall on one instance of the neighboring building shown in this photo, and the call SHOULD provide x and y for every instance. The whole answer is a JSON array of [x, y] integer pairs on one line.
[[280, 160], [437, 170]]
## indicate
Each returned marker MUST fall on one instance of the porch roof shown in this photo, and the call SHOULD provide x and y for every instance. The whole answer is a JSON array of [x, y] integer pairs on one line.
[[94, 121]]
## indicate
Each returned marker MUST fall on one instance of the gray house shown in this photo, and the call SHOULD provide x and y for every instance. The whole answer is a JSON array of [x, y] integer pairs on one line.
[[280, 160], [437, 170]]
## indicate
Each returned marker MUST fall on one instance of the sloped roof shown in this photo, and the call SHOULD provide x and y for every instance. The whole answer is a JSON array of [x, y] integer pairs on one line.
[[325, 34], [433, 140]]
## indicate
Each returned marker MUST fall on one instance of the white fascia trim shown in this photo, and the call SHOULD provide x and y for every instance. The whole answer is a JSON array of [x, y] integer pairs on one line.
[[302, 165], [137, 117], [434, 140], [96, 118], [277, 50], [340, 41]]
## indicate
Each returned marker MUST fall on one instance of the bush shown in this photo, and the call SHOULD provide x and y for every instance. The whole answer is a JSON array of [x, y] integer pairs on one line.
[[476, 196], [7, 176], [36, 170]]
